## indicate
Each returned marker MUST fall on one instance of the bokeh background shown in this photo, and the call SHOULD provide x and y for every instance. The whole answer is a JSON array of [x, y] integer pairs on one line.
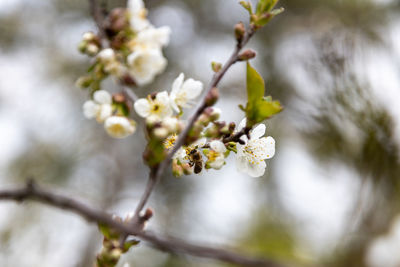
[[330, 196]]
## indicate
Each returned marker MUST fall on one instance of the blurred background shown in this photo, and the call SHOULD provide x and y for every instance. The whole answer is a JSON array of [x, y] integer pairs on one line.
[[331, 194]]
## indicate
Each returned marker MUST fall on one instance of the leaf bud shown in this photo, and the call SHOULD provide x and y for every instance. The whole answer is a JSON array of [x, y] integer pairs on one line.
[[216, 66], [246, 55]]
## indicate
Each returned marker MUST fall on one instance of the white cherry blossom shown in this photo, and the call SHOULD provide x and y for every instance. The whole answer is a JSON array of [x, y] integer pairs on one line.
[[138, 15], [144, 63], [183, 92], [158, 107], [152, 38], [100, 107], [119, 127], [216, 157], [251, 156]]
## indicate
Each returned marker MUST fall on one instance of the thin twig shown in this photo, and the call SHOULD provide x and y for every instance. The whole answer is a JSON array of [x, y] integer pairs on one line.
[[33, 192], [199, 110], [98, 17]]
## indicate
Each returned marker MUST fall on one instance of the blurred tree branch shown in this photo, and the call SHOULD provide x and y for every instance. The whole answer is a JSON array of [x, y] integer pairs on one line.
[[32, 191]]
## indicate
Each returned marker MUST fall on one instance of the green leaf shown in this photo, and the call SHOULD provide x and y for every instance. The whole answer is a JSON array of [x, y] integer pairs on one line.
[[264, 6], [262, 19], [258, 107], [247, 6]]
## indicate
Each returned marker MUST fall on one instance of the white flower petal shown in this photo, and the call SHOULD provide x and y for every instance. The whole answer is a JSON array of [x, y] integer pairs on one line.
[[119, 127], [102, 97], [142, 107], [241, 164], [256, 170], [144, 64], [104, 112], [90, 109], [180, 154], [270, 147], [177, 84], [154, 37], [135, 6], [218, 146], [258, 131], [199, 143], [217, 163], [163, 98], [192, 88]]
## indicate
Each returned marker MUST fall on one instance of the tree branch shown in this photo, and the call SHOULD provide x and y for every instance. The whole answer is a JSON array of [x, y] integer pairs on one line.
[[156, 174], [33, 192]]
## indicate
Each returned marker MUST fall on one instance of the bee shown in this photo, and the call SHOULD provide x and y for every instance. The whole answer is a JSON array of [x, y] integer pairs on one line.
[[196, 160]]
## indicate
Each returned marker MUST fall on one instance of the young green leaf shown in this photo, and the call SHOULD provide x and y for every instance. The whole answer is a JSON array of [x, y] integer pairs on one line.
[[247, 6], [264, 6], [258, 107]]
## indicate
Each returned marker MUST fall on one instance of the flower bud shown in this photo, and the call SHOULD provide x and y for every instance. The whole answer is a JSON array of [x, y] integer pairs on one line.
[[239, 31], [215, 114], [88, 36], [216, 66], [171, 123], [161, 132], [246, 55], [212, 97], [92, 49], [106, 55], [82, 46], [84, 82]]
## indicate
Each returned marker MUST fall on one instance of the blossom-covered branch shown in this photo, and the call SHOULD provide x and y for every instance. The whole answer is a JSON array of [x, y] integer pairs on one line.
[[159, 171], [33, 192]]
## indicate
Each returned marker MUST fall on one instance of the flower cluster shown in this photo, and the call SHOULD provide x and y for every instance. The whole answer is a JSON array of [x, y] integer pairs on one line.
[[107, 111], [135, 54]]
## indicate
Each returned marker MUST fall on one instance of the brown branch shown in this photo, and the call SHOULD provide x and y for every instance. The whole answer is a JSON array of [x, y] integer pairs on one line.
[[97, 14], [33, 192], [156, 174]]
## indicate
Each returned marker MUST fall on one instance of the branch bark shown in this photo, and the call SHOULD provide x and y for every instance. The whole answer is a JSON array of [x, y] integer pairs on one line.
[[33, 192]]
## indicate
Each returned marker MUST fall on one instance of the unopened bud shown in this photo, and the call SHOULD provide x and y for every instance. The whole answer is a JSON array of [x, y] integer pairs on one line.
[[147, 214], [88, 36], [152, 121], [239, 31], [246, 55], [92, 49], [82, 46], [216, 66], [119, 98], [161, 132], [106, 55], [215, 114], [212, 97], [84, 82], [171, 124]]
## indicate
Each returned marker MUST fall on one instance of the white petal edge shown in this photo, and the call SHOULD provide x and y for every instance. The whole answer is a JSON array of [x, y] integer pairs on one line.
[[218, 146], [142, 107], [258, 131]]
